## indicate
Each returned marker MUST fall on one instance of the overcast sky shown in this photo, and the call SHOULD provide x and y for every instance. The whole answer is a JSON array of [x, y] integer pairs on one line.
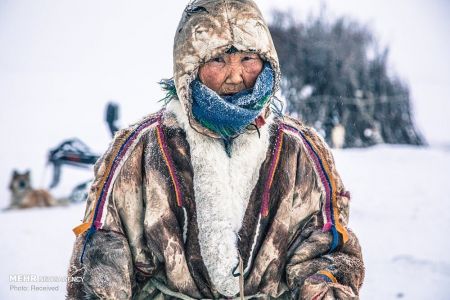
[[62, 60]]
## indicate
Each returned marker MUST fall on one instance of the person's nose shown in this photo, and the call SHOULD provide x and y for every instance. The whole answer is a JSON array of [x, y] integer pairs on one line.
[[235, 74]]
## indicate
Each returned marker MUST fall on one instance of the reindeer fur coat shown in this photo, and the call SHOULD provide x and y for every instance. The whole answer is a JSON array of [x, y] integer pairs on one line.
[[171, 216]]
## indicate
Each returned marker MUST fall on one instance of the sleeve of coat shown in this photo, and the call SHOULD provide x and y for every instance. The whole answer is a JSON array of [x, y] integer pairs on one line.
[[314, 269], [114, 253]]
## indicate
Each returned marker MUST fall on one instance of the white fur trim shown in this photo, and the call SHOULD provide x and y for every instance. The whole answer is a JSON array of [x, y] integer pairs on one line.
[[222, 187]]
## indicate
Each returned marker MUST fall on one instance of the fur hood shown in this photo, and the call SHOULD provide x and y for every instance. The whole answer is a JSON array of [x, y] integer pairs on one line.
[[208, 28]]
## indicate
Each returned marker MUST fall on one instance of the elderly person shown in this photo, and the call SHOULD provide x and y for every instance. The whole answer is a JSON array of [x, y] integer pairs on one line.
[[218, 195]]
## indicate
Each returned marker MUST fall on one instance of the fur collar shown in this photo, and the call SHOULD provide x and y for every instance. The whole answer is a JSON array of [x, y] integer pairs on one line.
[[222, 187]]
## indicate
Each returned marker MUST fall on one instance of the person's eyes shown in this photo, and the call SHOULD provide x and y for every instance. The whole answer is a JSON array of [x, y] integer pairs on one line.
[[248, 58], [218, 59]]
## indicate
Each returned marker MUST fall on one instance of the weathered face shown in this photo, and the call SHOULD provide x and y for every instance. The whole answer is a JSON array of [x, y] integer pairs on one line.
[[208, 29], [231, 73]]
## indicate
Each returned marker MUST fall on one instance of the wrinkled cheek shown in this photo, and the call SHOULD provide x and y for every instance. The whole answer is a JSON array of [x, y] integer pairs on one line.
[[211, 79], [249, 82], [250, 79]]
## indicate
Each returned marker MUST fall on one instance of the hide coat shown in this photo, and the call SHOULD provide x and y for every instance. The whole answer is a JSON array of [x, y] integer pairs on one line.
[[171, 216]]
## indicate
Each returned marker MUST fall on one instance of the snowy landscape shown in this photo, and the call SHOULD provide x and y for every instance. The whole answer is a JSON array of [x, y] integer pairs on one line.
[[64, 60]]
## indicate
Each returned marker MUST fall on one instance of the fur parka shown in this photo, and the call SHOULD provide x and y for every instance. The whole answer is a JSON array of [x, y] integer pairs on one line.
[[171, 216]]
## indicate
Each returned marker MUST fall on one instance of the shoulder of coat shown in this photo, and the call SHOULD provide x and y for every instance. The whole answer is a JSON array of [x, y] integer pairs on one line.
[[148, 120], [127, 136], [306, 134]]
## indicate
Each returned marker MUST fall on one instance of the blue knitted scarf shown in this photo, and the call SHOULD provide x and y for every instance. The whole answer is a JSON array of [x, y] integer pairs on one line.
[[228, 116]]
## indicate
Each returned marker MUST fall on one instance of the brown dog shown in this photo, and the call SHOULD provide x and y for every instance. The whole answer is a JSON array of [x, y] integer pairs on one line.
[[24, 196]]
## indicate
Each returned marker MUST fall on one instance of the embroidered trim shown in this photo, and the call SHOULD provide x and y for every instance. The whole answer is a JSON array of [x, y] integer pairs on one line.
[[170, 165], [328, 276], [323, 170], [119, 152], [264, 212], [273, 167]]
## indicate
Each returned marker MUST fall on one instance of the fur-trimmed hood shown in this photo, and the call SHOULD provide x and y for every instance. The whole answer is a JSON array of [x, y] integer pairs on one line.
[[208, 28]]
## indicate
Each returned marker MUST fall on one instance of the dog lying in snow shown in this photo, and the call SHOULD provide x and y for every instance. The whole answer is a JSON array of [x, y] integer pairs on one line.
[[24, 196]]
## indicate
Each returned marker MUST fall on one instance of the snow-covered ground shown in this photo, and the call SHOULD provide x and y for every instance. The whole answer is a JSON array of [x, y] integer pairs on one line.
[[400, 211], [36, 242]]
